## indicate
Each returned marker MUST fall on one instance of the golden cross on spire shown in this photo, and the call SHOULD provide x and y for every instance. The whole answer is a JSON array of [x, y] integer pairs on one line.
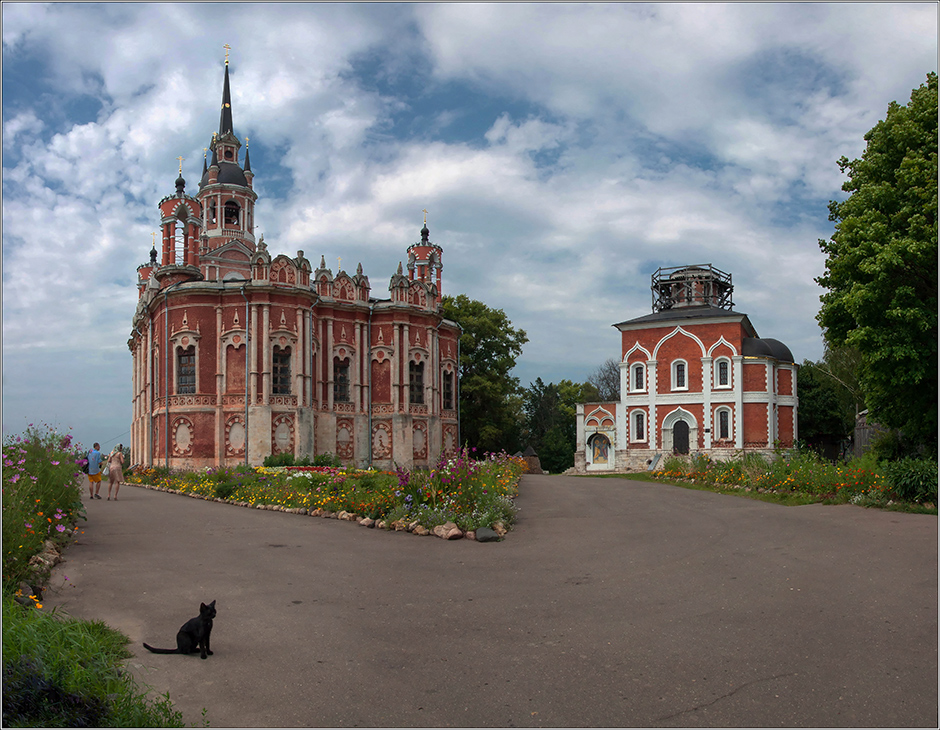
[[205, 152], [153, 235], [246, 143], [227, 48], [181, 163], [425, 211], [339, 264]]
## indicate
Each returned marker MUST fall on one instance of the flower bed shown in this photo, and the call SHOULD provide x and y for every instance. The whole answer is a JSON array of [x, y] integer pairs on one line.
[[794, 473], [42, 482], [470, 493]]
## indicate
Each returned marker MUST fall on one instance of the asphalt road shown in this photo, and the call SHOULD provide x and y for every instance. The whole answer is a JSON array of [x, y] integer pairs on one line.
[[612, 603]]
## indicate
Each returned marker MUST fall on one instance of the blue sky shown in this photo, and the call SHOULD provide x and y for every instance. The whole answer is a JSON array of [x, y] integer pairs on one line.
[[563, 151]]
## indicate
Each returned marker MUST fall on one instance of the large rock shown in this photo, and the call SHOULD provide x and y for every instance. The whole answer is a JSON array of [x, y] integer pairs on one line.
[[486, 534]]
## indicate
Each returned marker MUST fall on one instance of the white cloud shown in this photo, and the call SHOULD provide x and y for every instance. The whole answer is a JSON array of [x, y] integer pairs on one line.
[[621, 137]]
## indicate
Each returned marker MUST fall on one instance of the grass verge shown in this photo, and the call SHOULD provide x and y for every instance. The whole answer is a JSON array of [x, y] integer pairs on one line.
[[62, 672]]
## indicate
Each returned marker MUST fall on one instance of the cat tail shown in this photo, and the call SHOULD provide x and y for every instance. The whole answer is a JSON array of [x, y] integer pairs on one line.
[[160, 651]]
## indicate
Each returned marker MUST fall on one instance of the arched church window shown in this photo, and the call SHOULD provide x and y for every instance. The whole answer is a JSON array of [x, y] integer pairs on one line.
[[447, 391], [213, 213], [186, 370], [179, 242], [724, 423], [231, 213], [416, 383], [639, 379], [280, 371], [340, 380], [679, 375], [639, 426], [723, 373]]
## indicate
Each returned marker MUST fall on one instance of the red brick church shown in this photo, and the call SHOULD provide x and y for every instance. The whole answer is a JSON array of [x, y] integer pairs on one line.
[[694, 378], [239, 354]]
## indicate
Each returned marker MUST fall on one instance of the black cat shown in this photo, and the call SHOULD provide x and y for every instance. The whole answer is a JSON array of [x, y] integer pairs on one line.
[[193, 636]]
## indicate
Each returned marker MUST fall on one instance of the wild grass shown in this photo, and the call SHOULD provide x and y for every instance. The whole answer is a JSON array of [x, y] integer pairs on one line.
[[62, 672]]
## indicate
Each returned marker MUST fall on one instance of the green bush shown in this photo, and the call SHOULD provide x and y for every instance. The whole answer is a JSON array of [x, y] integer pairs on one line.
[[285, 459], [913, 480], [326, 460], [224, 490]]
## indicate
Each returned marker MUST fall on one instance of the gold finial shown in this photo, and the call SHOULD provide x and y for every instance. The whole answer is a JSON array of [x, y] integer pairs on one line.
[[227, 48], [425, 211], [205, 152], [181, 163], [246, 143], [339, 264], [153, 235]]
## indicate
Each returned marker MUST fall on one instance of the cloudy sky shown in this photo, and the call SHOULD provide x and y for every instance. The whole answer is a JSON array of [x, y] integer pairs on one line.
[[564, 153]]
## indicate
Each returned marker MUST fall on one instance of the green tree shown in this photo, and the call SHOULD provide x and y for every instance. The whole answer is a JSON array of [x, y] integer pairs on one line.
[[825, 413], [550, 412], [607, 380], [881, 267], [490, 398]]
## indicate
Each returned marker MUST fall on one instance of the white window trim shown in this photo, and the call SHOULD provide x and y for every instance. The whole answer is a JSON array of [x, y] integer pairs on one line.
[[673, 368], [717, 384], [717, 430], [646, 431], [631, 379]]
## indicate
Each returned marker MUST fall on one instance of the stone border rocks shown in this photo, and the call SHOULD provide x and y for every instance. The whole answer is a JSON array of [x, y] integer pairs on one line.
[[447, 531]]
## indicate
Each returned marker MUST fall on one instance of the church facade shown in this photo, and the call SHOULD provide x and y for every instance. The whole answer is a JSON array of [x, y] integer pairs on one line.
[[239, 354], [695, 378]]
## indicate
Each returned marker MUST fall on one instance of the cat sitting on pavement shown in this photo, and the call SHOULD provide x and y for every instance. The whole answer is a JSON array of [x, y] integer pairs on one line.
[[193, 636]]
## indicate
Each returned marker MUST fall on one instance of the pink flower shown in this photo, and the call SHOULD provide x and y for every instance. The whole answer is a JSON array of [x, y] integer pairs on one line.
[[60, 528]]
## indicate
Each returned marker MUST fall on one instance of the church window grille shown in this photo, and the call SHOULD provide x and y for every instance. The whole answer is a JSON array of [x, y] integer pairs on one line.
[[416, 383], [639, 426], [639, 373], [280, 371], [447, 391], [186, 370], [723, 374], [679, 379], [341, 380], [724, 424]]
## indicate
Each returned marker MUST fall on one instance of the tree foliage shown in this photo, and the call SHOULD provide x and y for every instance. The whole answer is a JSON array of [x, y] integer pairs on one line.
[[607, 380], [490, 399], [825, 413], [881, 267], [550, 413]]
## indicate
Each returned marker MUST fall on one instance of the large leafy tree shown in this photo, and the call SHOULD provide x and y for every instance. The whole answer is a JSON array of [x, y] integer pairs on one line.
[[881, 267], [550, 412], [490, 398]]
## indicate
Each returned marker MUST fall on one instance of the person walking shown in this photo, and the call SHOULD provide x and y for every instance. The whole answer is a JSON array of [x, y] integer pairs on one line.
[[115, 471], [94, 472]]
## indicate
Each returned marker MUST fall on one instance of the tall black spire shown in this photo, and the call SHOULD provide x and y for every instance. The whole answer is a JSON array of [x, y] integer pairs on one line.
[[225, 122]]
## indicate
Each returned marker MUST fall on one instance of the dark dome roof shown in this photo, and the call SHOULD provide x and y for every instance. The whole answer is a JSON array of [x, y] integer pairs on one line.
[[779, 350], [755, 347], [229, 173]]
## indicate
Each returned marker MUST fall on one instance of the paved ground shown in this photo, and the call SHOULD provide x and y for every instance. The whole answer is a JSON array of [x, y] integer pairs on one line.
[[612, 603]]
